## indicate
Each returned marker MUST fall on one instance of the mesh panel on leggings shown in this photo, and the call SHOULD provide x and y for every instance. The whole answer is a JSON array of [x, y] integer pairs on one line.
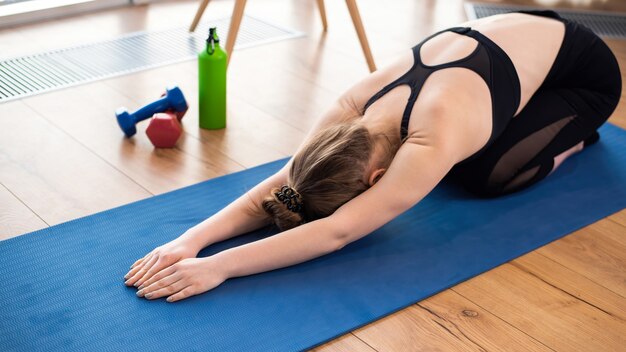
[[520, 154]]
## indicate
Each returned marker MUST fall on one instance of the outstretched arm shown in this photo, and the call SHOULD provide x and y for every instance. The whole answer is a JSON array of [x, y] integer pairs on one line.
[[241, 216], [414, 172], [246, 214]]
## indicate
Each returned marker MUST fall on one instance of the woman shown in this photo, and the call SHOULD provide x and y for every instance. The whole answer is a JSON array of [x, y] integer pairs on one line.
[[500, 102]]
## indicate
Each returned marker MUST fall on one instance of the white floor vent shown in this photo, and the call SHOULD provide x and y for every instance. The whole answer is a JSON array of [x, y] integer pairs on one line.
[[43, 72]]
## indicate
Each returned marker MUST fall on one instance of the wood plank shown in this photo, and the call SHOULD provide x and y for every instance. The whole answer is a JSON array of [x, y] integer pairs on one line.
[[407, 22], [610, 229], [15, 217], [252, 137], [266, 138], [90, 119], [619, 217], [572, 283], [345, 343], [305, 101], [555, 318], [291, 99], [53, 174], [309, 58], [11, 41], [597, 252], [446, 322]]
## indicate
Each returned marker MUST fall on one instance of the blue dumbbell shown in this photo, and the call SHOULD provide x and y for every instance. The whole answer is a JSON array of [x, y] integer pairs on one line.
[[172, 100]]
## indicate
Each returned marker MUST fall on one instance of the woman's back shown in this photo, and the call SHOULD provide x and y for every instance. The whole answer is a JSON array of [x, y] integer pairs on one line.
[[531, 42]]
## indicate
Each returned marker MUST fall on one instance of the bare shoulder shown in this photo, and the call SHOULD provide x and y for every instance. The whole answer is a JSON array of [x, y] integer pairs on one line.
[[363, 90], [349, 106]]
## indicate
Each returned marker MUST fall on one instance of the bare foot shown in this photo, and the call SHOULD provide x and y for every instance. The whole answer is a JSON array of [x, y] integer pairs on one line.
[[558, 160]]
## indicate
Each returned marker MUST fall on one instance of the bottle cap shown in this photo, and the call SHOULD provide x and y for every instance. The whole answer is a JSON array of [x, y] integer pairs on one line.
[[212, 40], [213, 35]]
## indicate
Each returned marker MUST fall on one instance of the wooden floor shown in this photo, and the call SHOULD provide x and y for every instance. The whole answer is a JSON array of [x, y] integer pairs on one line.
[[62, 156]]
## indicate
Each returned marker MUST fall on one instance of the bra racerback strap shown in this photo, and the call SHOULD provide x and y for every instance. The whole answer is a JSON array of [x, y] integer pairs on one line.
[[402, 79], [382, 92], [417, 80], [477, 61]]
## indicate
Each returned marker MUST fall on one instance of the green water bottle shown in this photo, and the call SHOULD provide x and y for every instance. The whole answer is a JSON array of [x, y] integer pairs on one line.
[[212, 63]]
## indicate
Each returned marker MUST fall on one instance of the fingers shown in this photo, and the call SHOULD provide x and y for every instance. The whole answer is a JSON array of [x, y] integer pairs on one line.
[[141, 270], [182, 294], [135, 267], [170, 289], [138, 262], [157, 279], [158, 265]]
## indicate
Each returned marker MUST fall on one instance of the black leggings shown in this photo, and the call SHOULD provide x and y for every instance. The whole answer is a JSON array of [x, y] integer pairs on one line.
[[579, 94]]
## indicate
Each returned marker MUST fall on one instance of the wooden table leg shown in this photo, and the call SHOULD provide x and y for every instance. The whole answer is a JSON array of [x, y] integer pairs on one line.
[[235, 21], [322, 8], [199, 13], [358, 25]]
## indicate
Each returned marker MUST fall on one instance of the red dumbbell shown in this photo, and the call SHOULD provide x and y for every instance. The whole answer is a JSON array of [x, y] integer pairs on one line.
[[164, 129]]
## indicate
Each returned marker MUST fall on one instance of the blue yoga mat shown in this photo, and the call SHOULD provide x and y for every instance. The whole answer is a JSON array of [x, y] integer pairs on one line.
[[61, 288]]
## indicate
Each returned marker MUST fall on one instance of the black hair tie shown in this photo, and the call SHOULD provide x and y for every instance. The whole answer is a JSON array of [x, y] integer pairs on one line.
[[291, 198]]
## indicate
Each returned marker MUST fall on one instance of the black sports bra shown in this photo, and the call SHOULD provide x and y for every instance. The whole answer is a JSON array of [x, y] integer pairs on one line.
[[488, 60]]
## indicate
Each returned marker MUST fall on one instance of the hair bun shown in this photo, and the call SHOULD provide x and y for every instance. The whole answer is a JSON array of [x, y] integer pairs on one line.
[[284, 207], [289, 197]]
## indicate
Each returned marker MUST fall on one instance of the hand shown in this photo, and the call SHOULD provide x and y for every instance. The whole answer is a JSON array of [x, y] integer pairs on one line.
[[186, 278], [157, 260]]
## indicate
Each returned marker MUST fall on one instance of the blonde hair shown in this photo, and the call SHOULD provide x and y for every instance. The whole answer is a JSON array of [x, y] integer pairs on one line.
[[326, 173]]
